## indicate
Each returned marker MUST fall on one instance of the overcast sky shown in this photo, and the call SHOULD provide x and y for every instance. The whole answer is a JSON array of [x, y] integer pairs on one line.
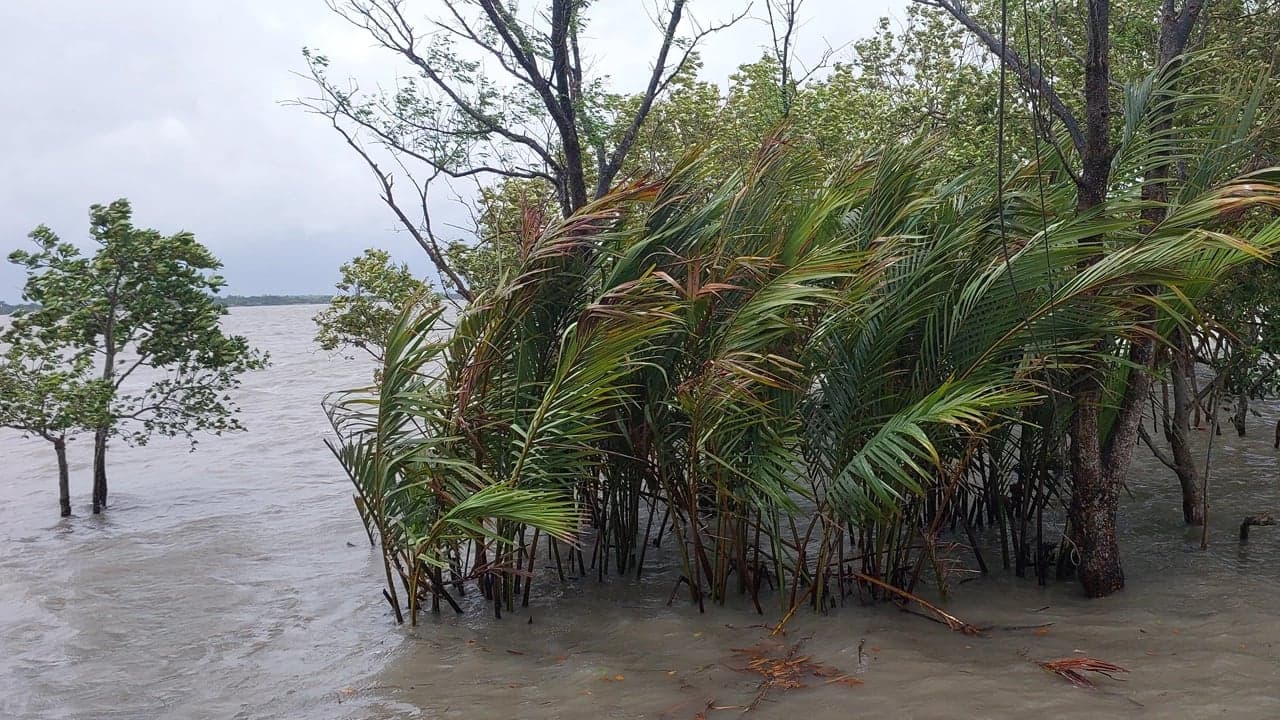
[[175, 104]]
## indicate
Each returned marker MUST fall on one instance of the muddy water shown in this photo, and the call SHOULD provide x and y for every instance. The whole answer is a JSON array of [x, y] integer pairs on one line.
[[236, 582]]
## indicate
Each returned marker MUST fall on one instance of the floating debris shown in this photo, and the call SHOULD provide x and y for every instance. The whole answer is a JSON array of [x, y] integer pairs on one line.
[[1073, 668], [787, 670]]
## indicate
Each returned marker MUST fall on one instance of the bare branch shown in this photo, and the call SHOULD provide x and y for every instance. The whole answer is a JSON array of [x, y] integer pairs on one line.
[[1156, 450], [338, 103], [1029, 74], [384, 22], [659, 79], [427, 242]]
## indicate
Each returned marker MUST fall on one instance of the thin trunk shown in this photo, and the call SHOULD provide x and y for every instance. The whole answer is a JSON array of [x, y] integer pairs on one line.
[[1175, 29], [1179, 431], [575, 179], [101, 433], [64, 476], [99, 469], [1242, 409]]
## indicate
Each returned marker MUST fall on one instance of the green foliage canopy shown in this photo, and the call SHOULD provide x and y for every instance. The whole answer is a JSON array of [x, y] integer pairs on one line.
[[371, 295], [143, 304]]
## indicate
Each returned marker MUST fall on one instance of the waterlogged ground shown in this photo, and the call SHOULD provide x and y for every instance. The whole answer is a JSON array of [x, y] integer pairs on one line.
[[237, 582]]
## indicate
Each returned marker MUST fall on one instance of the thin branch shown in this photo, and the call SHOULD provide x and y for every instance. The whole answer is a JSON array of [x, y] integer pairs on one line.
[[395, 34], [1029, 74], [386, 181], [1160, 454], [659, 79]]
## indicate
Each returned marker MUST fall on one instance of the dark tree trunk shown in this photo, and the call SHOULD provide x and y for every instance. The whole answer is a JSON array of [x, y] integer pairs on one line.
[[1095, 478], [1179, 431], [1095, 499], [64, 476], [99, 470], [1241, 414], [1098, 464], [100, 435]]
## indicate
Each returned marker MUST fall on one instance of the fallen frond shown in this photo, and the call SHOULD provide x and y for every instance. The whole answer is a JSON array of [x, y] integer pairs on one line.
[[1073, 668], [787, 670]]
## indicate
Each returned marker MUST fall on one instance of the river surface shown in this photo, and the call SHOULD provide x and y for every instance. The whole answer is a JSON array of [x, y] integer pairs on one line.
[[237, 582]]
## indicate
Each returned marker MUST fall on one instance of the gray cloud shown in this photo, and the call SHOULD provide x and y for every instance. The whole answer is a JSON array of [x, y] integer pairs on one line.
[[175, 105]]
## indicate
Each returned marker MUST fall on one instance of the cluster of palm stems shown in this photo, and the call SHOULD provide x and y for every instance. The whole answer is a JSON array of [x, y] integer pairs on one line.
[[806, 380]]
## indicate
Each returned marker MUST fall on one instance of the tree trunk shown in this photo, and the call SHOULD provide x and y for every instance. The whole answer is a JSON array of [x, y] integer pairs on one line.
[[1242, 410], [1179, 431], [100, 435], [99, 470], [1095, 495], [1099, 465], [1094, 501], [64, 476]]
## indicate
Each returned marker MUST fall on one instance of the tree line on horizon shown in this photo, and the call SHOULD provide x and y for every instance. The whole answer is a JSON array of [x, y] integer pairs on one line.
[[224, 300]]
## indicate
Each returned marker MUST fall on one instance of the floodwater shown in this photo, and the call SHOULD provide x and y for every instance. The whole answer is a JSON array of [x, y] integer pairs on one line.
[[237, 582]]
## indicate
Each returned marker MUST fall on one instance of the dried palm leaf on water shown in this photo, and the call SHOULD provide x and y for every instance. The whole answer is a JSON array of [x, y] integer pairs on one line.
[[1073, 669], [787, 670]]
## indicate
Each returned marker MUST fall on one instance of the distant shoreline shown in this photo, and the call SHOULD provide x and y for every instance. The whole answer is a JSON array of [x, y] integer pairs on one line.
[[261, 300], [226, 301]]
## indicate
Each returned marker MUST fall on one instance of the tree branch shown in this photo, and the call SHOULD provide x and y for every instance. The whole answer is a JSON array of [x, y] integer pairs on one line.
[[659, 79], [1029, 74], [1160, 454], [426, 243], [395, 34]]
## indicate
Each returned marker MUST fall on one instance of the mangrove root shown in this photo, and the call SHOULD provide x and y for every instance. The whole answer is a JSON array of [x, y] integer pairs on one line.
[[1250, 521]]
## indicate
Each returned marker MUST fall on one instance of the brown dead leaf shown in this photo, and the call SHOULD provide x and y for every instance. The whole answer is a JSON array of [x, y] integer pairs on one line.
[[785, 669], [1073, 668]]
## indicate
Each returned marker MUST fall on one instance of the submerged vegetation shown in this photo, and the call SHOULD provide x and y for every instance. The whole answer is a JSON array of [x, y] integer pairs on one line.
[[937, 299], [124, 342], [805, 377]]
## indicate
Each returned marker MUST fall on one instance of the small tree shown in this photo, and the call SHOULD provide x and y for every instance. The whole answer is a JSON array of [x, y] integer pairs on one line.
[[143, 301], [44, 395], [372, 294]]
